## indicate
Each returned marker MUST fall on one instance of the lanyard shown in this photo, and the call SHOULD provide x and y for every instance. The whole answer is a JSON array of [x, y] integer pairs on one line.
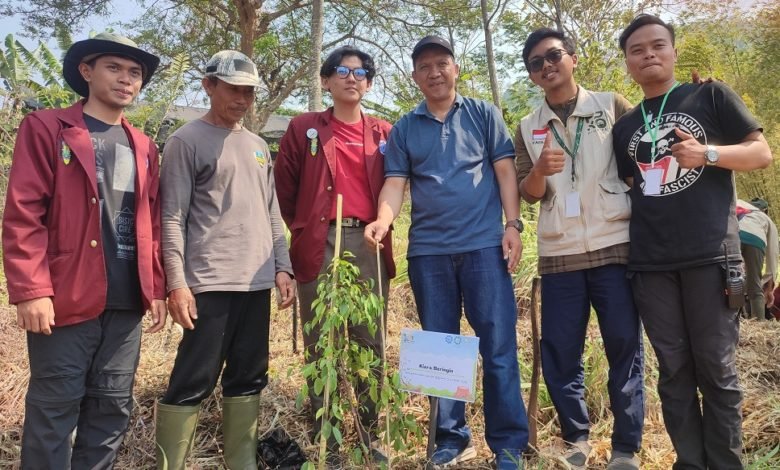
[[653, 130], [570, 152]]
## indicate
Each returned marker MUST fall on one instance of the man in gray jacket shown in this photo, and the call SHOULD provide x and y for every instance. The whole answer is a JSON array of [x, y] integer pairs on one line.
[[758, 244], [224, 249]]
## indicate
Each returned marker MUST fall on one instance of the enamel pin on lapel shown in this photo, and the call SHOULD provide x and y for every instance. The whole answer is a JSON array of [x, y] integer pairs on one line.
[[312, 135], [66, 153]]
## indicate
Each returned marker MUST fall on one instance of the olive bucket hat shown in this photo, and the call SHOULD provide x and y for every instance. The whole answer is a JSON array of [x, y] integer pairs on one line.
[[103, 44]]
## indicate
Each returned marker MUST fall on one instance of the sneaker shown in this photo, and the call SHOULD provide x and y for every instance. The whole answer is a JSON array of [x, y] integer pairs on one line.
[[509, 460], [575, 456], [377, 452], [623, 461], [448, 456]]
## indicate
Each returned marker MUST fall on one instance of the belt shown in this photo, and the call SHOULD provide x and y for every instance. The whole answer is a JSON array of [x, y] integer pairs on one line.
[[350, 222]]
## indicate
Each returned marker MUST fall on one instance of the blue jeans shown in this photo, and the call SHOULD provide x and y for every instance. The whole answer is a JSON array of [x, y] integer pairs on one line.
[[566, 301], [479, 282]]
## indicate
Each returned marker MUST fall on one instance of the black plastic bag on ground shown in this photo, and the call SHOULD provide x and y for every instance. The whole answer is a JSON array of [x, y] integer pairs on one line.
[[277, 451]]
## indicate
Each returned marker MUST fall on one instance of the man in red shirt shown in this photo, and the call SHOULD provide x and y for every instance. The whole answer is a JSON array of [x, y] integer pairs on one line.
[[81, 246], [337, 151]]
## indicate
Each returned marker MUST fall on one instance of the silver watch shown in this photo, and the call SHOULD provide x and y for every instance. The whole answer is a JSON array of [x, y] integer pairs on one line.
[[711, 155]]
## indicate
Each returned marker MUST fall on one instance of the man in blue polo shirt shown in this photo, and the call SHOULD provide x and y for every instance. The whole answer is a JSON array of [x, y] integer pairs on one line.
[[458, 156]]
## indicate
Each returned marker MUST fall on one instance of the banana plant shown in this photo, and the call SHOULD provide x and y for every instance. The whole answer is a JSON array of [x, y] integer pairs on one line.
[[34, 74]]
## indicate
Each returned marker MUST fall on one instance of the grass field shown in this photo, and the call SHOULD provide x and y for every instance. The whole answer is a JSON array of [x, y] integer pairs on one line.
[[758, 363]]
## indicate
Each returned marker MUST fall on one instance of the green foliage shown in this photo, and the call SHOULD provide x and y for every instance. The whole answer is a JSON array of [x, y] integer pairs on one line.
[[343, 301], [764, 461], [159, 97], [20, 68], [742, 48]]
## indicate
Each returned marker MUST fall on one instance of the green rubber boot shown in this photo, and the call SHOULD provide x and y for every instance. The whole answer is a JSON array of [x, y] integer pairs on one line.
[[239, 429], [174, 434]]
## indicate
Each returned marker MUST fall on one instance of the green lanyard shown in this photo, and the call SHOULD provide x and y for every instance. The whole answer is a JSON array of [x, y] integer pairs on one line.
[[653, 130], [570, 152]]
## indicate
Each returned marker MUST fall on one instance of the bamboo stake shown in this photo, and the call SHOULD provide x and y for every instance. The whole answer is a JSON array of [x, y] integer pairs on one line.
[[384, 351], [326, 391]]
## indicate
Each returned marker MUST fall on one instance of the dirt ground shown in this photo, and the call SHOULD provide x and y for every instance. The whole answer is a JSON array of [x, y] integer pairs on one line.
[[758, 362]]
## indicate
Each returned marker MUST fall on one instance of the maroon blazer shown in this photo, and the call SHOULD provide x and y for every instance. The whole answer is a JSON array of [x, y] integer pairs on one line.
[[52, 245], [304, 186]]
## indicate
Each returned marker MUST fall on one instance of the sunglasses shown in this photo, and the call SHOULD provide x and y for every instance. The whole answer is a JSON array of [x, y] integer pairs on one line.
[[360, 74], [537, 63]]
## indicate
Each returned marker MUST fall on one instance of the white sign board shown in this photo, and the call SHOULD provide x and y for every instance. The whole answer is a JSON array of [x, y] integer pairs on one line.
[[439, 364]]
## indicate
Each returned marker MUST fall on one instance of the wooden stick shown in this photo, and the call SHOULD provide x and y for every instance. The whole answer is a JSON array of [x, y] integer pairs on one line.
[[533, 400], [388, 447], [295, 325], [433, 417]]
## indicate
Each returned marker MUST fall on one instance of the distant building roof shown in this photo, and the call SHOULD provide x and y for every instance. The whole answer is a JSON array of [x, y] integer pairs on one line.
[[274, 129]]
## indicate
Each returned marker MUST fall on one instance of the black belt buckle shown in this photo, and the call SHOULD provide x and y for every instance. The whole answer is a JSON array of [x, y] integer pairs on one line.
[[351, 222]]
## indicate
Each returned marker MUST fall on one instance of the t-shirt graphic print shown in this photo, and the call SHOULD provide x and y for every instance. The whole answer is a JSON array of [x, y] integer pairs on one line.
[[673, 178], [116, 174]]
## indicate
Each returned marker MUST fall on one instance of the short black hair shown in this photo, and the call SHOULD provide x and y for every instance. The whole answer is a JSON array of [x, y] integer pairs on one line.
[[540, 35], [334, 60], [643, 19]]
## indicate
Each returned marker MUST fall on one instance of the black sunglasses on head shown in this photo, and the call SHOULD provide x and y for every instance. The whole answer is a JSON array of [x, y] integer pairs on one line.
[[537, 63], [359, 73]]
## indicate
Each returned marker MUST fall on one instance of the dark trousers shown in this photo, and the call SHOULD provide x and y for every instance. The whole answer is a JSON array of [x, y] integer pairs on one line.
[[694, 334], [478, 284], [231, 330], [81, 377], [754, 264], [365, 259], [566, 302]]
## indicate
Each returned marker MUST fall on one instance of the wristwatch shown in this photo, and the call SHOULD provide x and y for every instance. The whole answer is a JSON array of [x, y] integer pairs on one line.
[[516, 224], [711, 155]]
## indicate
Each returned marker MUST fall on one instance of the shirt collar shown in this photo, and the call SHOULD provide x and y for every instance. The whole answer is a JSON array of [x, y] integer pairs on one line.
[[585, 107], [422, 108]]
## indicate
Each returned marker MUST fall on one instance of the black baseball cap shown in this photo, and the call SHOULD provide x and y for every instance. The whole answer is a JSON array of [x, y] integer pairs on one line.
[[431, 41]]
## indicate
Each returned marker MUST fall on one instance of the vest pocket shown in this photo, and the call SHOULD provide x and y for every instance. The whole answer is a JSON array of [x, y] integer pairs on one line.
[[614, 200], [550, 218]]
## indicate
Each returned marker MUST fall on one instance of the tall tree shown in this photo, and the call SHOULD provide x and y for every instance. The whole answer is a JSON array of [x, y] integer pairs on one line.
[[317, 20], [487, 18]]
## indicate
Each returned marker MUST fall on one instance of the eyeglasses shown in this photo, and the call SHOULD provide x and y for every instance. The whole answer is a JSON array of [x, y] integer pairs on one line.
[[360, 74], [537, 63]]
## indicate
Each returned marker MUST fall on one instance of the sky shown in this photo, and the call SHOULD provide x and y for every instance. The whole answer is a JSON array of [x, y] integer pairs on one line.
[[127, 11]]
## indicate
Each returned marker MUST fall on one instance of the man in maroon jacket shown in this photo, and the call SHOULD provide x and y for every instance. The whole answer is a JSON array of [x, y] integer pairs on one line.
[[337, 151], [81, 243]]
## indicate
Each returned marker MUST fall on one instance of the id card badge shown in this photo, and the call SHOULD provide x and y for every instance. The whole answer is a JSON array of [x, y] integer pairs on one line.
[[653, 181], [573, 204]]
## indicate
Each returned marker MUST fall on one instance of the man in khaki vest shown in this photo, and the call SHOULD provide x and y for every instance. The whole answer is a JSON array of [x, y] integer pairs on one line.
[[565, 160]]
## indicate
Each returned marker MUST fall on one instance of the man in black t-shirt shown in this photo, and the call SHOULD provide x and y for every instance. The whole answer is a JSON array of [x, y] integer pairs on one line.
[[678, 149]]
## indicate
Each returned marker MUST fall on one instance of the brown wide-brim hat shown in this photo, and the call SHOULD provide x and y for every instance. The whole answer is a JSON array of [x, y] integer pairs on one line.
[[104, 44]]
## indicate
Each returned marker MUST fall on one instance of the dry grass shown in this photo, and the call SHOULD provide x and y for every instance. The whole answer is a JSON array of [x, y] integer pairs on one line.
[[758, 364]]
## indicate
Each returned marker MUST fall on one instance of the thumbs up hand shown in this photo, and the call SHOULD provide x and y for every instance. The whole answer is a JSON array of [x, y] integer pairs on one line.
[[551, 161], [688, 151]]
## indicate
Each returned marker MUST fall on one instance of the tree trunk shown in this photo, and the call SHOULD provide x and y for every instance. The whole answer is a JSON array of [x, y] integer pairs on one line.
[[247, 23], [317, 20], [491, 58]]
